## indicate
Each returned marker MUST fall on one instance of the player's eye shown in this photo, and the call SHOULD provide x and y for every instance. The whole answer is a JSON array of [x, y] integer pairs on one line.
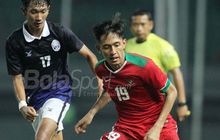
[[33, 11], [143, 24], [134, 24], [117, 44], [44, 11], [106, 46]]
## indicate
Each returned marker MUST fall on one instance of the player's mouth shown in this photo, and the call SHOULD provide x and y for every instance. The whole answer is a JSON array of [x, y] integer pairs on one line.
[[114, 59], [38, 24]]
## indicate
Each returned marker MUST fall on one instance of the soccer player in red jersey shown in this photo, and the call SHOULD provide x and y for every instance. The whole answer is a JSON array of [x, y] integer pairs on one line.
[[142, 93]]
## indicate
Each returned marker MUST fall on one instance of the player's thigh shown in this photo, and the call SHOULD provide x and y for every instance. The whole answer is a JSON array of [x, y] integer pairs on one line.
[[54, 109], [115, 135], [46, 129]]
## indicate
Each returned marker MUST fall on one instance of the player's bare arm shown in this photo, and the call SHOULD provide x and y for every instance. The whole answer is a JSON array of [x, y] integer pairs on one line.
[[154, 132], [102, 101], [92, 60], [19, 87], [28, 112], [182, 108]]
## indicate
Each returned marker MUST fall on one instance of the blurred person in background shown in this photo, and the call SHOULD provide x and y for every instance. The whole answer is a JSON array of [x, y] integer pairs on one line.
[[160, 51], [37, 52], [141, 92]]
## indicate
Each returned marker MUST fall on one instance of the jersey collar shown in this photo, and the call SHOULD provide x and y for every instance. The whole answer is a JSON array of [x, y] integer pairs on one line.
[[29, 38]]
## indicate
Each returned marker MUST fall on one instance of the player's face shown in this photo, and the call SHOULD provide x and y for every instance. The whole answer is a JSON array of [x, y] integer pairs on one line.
[[112, 48], [141, 26], [36, 14]]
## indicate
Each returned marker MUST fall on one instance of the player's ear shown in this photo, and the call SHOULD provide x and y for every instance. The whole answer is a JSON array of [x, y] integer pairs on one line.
[[124, 43], [151, 25], [48, 8], [23, 11], [97, 47]]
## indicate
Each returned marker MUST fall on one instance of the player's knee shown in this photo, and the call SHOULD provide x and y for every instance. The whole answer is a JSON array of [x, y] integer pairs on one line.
[[44, 134], [58, 136]]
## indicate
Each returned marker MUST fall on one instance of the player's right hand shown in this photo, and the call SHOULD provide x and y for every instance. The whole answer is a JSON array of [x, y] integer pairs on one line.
[[29, 113], [81, 126], [183, 112], [153, 134]]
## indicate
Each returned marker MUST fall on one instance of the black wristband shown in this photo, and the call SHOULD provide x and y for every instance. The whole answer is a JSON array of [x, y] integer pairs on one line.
[[180, 104]]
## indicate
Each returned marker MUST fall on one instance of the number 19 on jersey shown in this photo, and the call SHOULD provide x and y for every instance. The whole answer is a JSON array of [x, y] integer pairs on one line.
[[122, 93]]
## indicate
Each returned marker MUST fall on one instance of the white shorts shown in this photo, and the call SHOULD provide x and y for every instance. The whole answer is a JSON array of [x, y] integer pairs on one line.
[[54, 109]]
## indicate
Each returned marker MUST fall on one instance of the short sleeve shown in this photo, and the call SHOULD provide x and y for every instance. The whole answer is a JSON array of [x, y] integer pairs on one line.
[[170, 58], [154, 77], [13, 59], [105, 79], [71, 42]]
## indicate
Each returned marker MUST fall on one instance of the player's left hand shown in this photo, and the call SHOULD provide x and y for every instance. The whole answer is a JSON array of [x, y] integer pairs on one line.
[[183, 112]]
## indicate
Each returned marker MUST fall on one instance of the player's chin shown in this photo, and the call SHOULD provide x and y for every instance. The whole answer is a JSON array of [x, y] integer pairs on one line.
[[116, 64], [38, 25], [141, 38]]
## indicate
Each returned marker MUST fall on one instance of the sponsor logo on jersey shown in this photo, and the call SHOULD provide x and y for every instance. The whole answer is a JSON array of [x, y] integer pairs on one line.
[[29, 53], [55, 45], [130, 84]]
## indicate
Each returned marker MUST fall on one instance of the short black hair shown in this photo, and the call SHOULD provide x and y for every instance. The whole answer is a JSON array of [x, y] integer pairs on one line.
[[25, 3], [116, 26], [141, 12]]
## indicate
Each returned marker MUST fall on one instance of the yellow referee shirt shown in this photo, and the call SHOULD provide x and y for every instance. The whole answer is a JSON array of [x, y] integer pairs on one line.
[[156, 48]]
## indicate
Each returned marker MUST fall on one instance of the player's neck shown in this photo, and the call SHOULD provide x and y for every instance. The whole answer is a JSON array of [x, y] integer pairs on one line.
[[140, 40], [116, 67]]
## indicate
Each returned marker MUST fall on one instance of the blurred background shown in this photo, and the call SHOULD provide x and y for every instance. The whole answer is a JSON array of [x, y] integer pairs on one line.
[[192, 26]]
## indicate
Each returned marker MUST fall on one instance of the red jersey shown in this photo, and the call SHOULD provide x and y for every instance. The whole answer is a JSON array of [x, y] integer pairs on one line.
[[137, 90]]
